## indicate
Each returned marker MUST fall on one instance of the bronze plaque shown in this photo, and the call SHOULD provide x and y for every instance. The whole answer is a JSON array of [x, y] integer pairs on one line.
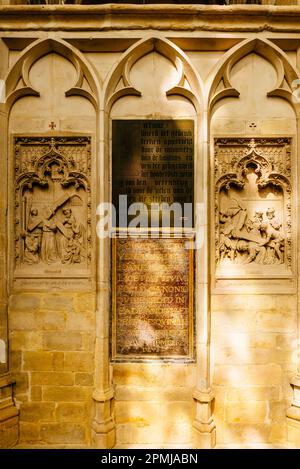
[[152, 162], [152, 299]]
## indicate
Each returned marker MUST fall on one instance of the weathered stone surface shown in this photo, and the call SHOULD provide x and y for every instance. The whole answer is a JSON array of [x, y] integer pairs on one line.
[[141, 413], [153, 375], [81, 321], [79, 361], [85, 302], [25, 302], [84, 379], [25, 340], [29, 432], [63, 433], [52, 377], [254, 393], [39, 361], [71, 412], [27, 320], [62, 341], [58, 302], [250, 412], [52, 320], [36, 393], [154, 393], [35, 411], [270, 374], [65, 393]]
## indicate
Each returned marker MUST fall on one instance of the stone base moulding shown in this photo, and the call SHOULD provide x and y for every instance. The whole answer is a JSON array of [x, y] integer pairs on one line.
[[293, 411], [204, 422], [103, 427], [9, 420], [293, 432], [293, 414]]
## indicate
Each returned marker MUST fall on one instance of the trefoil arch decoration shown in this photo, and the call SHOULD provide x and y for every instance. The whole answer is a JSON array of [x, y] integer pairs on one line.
[[118, 83], [18, 84], [219, 84]]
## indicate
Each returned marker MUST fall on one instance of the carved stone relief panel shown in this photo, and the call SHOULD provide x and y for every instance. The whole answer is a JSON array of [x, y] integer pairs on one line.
[[52, 206], [253, 206]]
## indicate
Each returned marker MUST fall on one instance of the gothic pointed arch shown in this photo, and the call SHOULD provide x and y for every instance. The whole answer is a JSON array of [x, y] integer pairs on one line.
[[219, 84], [18, 82], [118, 83]]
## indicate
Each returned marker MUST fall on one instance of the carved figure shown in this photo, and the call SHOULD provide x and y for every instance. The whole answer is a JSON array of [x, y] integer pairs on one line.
[[232, 220], [52, 209], [32, 244], [32, 239], [262, 240], [274, 238], [49, 252], [70, 240], [248, 172]]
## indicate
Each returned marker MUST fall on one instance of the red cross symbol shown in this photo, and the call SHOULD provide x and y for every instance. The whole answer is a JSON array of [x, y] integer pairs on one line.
[[52, 125]]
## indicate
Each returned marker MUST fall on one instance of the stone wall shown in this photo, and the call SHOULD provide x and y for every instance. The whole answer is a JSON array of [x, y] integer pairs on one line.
[[52, 343], [255, 357], [154, 405], [235, 80]]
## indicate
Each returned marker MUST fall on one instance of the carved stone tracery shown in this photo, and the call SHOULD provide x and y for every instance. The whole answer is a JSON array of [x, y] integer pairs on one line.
[[253, 202], [52, 205]]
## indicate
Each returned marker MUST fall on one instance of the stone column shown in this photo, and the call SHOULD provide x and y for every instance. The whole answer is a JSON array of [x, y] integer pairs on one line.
[[8, 411], [204, 421], [103, 428], [293, 412]]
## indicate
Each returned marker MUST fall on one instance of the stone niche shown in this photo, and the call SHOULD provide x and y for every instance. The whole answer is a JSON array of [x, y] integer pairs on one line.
[[52, 215], [253, 207]]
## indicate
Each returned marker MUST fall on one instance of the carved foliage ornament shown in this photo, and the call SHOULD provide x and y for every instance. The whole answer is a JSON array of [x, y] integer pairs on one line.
[[253, 218], [52, 205]]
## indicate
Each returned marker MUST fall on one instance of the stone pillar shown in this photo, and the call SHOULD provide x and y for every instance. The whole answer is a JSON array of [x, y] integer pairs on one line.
[[103, 427], [8, 411], [293, 412], [204, 421]]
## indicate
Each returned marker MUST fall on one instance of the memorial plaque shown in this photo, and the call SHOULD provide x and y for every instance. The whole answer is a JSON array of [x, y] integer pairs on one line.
[[152, 299], [152, 162]]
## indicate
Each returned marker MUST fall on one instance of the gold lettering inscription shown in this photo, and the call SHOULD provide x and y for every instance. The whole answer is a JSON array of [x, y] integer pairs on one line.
[[152, 299]]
